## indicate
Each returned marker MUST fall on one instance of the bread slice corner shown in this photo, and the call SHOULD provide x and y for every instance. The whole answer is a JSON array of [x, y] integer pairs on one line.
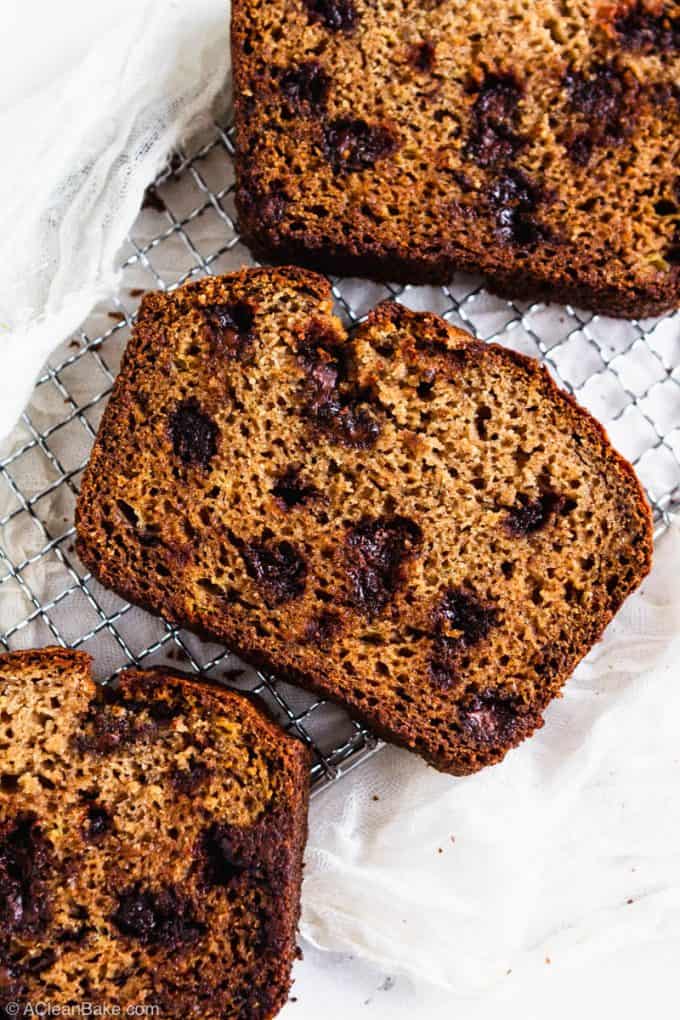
[[151, 841]]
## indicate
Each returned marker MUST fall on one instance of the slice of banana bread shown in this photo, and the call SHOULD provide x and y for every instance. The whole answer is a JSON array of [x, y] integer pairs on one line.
[[537, 143], [412, 522], [151, 843]]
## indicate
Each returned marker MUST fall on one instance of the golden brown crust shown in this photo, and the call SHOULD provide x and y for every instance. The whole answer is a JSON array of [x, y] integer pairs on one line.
[[28, 659], [151, 841], [411, 522], [389, 144]]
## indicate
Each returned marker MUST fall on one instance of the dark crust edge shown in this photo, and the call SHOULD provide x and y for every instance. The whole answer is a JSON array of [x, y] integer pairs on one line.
[[50, 655], [298, 760], [153, 302], [285, 668], [268, 243], [517, 284], [253, 709]]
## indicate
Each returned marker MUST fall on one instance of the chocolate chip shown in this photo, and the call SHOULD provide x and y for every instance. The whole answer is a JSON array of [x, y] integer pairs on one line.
[[347, 423], [512, 187], [597, 94], [25, 862], [338, 15], [305, 87], [323, 628], [528, 515], [376, 551], [291, 490], [224, 861], [462, 616], [108, 726], [644, 30], [489, 718], [277, 567], [267, 203], [514, 200], [190, 779], [353, 144], [460, 620], [324, 376], [272, 206], [163, 919], [321, 348], [605, 97], [493, 134], [231, 327], [193, 434], [103, 732], [330, 399], [98, 823]]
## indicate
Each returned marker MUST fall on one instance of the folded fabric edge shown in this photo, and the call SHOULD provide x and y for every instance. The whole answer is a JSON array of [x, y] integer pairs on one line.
[[24, 352]]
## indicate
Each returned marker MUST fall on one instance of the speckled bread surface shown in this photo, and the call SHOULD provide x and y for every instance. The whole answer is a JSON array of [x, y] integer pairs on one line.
[[414, 523], [534, 141], [151, 843]]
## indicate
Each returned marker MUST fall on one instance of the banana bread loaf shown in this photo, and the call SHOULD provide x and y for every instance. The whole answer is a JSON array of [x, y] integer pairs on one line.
[[537, 143], [417, 524], [150, 843]]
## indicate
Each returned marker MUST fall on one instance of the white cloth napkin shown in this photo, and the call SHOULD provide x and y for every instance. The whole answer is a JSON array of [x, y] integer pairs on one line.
[[76, 160], [569, 847]]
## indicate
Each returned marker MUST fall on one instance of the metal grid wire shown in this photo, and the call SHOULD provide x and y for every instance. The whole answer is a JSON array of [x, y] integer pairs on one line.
[[627, 373]]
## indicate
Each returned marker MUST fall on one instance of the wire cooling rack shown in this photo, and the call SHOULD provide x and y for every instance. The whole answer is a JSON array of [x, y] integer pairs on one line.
[[627, 373]]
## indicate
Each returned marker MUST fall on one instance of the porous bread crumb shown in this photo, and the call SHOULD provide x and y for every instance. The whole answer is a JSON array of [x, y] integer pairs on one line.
[[535, 141], [150, 842], [414, 523]]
